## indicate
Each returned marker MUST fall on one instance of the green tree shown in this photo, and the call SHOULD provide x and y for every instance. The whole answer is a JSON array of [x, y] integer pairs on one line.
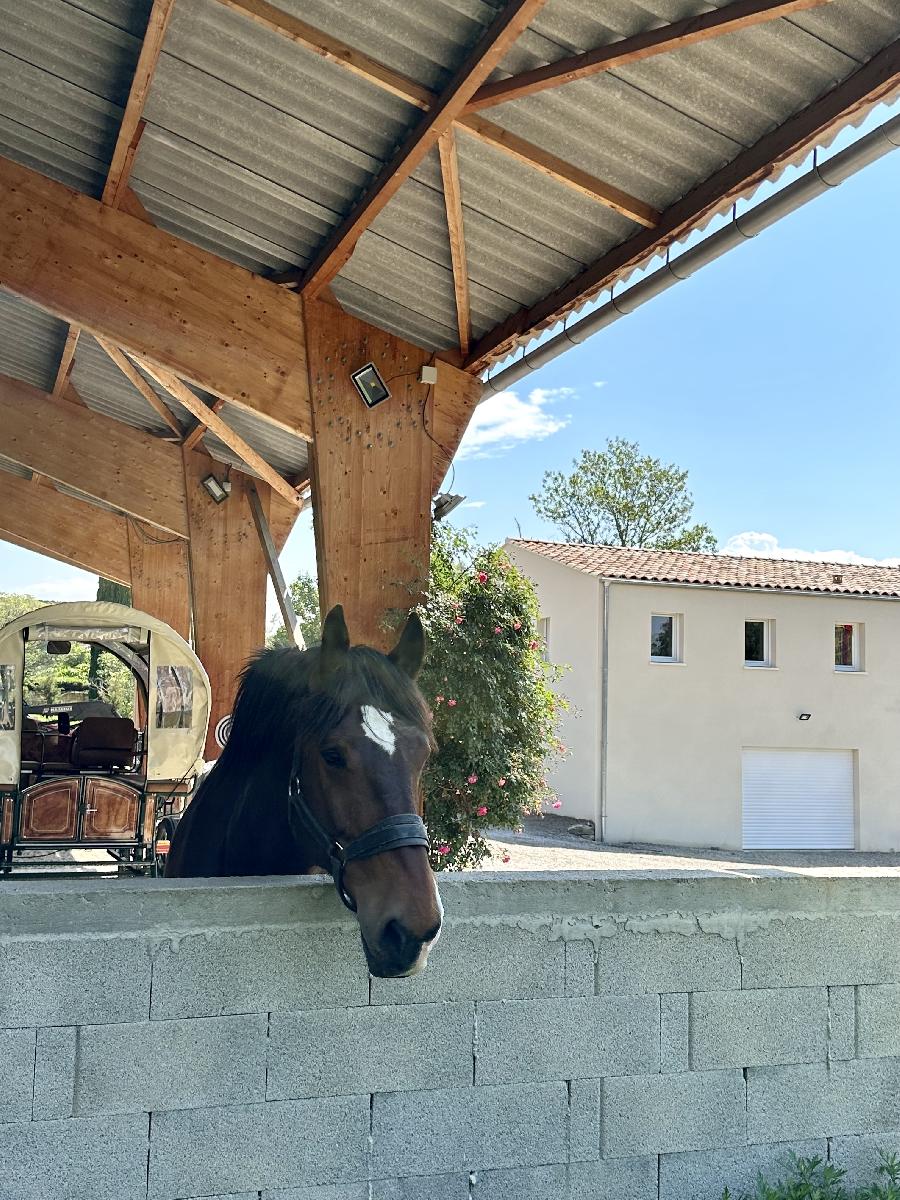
[[118, 593], [620, 497], [305, 599]]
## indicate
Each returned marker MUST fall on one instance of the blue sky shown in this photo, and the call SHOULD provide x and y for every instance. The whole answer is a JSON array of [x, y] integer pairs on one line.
[[773, 376]]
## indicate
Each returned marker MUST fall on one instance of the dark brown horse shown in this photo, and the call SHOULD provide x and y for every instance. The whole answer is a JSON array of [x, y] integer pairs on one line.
[[322, 771]]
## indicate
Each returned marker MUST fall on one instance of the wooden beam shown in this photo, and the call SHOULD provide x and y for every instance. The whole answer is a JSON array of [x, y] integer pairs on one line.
[[408, 89], [136, 379], [877, 80], [325, 46], [453, 204], [191, 439], [510, 21], [75, 532], [103, 458], [66, 361], [742, 14], [154, 295], [130, 128], [214, 423], [563, 172]]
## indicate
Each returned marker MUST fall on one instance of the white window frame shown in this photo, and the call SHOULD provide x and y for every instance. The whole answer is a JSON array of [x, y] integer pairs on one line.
[[544, 635], [857, 665], [677, 639], [767, 662]]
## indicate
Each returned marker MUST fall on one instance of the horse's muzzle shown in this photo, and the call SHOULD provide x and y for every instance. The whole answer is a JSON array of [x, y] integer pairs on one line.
[[398, 951]]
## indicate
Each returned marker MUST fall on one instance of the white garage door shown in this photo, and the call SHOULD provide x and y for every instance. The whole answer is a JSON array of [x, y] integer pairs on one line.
[[798, 800]]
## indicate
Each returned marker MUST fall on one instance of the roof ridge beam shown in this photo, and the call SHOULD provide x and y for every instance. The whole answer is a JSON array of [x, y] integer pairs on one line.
[[510, 22], [742, 14]]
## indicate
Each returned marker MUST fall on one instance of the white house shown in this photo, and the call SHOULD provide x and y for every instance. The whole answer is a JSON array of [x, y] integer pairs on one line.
[[721, 701]]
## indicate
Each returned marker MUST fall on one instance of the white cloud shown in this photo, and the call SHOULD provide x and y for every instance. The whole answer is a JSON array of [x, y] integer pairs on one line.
[[751, 544], [80, 587], [506, 420], [599, 383]]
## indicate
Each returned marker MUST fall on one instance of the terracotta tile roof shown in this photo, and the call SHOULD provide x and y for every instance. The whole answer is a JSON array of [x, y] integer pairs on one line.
[[720, 570]]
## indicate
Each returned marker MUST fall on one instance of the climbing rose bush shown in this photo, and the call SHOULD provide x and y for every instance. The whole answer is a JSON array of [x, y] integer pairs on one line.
[[496, 715]]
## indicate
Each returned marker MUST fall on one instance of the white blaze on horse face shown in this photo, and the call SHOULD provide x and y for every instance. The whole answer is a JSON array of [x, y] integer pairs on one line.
[[378, 727]]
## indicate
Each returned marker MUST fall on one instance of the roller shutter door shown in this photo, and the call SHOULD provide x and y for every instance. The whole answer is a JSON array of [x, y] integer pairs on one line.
[[798, 800]]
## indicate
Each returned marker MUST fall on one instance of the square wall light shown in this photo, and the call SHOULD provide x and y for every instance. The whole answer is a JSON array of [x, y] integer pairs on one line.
[[370, 385]]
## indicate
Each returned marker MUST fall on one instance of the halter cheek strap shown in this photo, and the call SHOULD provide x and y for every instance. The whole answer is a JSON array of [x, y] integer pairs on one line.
[[401, 829]]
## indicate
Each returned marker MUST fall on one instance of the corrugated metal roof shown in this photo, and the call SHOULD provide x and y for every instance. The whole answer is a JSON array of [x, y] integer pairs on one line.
[[13, 468], [31, 342], [104, 388], [254, 147]]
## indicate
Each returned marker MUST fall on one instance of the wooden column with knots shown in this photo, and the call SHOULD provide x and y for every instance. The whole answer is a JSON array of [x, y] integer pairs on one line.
[[374, 471]]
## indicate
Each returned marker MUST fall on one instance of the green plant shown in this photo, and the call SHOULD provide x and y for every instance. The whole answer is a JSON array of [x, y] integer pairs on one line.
[[495, 712], [815, 1179]]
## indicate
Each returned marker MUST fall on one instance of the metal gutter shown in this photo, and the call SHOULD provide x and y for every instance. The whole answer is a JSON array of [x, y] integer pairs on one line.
[[741, 587], [600, 828], [829, 174]]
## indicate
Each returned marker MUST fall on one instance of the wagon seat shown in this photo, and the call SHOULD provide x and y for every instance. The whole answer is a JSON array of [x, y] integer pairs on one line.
[[104, 744]]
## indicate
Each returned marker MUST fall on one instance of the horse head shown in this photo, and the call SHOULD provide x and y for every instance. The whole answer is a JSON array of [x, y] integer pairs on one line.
[[355, 795]]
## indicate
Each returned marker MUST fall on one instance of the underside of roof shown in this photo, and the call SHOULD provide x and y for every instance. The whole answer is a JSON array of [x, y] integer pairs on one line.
[[255, 148]]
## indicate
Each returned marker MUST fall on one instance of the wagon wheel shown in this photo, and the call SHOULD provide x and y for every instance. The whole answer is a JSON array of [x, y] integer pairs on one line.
[[165, 830]]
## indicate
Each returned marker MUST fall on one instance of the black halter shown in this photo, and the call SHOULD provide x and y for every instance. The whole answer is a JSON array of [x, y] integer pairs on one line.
[[401, 829]]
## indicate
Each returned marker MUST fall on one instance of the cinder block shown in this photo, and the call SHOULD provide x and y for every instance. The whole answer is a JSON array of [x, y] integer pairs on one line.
[[346, 1051], [581, 1037], [819, 1099], [74, 981], [423, 1187], [631, 962], [584, 1120], [247, 1147], [75, 1160], [705, 1175], [879, 1021], [842, 1023], [797, 952], [233, 1196], [522, 1183], [54, 1073], [16, 1074], [674, 1051], [466, 1129], [331, 1191], [259, 970], [482, 962], [661, 1114], [581, 966], [861, 1155], [614, 1179], [157, 1065], [759, 1027]]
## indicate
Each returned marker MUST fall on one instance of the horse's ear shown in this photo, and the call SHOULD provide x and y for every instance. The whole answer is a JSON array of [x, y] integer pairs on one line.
[[335, 641], [409, 652]]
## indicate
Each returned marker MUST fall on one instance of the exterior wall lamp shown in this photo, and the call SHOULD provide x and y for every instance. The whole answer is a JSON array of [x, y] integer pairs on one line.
[[370, 385], [444, 505], [217, 491], [804, 716]]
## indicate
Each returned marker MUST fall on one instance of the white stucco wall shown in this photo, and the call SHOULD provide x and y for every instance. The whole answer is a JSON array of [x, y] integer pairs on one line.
[[571, 601], [676, 732]]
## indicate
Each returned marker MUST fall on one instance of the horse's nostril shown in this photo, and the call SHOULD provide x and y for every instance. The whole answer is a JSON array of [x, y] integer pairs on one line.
[[432, 933], [395, 937]]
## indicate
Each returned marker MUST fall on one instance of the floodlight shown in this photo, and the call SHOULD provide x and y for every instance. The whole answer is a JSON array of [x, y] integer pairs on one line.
[[804, 716], [370, 385], [215, 489], [444, 504]]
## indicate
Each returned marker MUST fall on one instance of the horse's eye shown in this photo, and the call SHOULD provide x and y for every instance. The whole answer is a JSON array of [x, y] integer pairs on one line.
[[334, 757]]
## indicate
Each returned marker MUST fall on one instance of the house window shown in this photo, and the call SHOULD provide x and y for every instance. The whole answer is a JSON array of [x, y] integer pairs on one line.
[[759, 643], [544, 635], [848, 647], [665, 638]]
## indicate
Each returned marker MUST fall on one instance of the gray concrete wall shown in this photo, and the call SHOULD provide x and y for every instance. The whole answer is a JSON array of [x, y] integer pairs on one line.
[[650, 1037]]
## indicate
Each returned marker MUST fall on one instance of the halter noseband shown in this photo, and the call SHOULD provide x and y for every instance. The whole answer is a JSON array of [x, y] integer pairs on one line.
[[401, 829]]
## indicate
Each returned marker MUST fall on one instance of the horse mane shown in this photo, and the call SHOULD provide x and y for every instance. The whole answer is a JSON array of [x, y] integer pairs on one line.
[[281, 698]]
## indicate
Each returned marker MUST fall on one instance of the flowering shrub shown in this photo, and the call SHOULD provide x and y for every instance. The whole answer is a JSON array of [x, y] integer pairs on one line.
[[495, 713]]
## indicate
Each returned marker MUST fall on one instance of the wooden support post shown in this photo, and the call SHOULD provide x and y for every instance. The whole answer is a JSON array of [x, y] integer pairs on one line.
[[273, 566], [373, 469], [160, 576], [228, 584]]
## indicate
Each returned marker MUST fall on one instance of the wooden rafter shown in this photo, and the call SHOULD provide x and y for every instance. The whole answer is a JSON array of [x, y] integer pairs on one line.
[[158, 296], [223, 432], [66, 362], [741, 14], [130, 128], [510, 21], [136, 379], [878, 79], [192, 439], [414, 93], [453, 204], [563, 172]]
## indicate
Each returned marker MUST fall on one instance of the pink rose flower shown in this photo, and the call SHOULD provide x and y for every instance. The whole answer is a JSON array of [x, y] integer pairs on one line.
[[501, 782], [505, 858], [556, 804], [532, 645], [443, 849], [439, 699], [451, 704], [459, 620], [472, 779], [481, 811], [517, 625], [482, 578], [497, 629]]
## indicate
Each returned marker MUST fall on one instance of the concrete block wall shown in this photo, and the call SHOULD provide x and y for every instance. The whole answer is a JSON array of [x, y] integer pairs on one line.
[[575, 1036]]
